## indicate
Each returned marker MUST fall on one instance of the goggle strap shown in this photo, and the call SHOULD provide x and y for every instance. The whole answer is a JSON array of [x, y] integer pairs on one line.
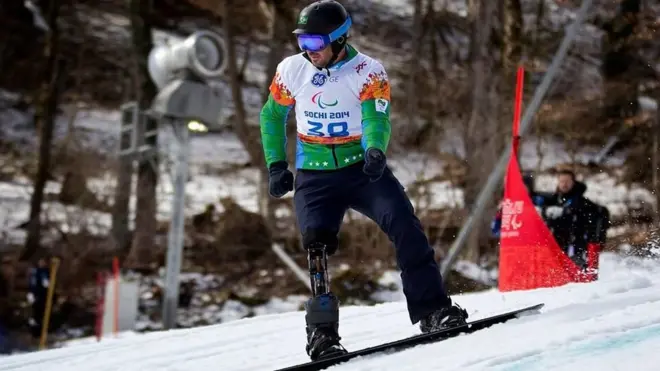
[[334, 35]]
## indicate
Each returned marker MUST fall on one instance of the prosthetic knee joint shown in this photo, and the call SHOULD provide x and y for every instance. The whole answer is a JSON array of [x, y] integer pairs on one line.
[[323, 308]]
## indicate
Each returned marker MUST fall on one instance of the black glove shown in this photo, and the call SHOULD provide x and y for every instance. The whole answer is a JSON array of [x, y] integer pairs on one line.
[[374, 163], [280, 179]]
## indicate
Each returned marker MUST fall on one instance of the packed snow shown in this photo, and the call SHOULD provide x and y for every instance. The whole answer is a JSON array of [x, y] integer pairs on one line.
[[612, 324]]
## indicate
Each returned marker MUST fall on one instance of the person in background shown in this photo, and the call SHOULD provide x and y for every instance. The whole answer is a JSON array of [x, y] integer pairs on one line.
[[39, 279], [574, 220], [5, 346], [5, 343]]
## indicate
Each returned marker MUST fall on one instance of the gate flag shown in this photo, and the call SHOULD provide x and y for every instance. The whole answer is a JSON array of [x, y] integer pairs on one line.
[[530, 257]]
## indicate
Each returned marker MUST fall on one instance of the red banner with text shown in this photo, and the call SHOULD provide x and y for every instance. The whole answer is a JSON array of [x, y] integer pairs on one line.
[[530, 257]]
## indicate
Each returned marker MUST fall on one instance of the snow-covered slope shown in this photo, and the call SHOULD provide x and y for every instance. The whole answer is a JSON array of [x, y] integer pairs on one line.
[[613, 324]]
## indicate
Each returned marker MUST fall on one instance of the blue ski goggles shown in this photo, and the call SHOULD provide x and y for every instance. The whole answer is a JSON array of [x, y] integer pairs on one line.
[[316, 42]]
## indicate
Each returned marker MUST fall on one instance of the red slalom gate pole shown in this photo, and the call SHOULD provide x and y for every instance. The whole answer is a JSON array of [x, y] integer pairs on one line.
[[115, 314], [517, 107]]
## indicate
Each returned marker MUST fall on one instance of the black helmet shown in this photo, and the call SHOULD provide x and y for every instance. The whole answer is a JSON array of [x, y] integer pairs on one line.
[[322, 18], [327, 19]]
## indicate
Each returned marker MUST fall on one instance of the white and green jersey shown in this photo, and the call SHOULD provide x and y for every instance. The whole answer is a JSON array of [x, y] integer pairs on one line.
[[340, 112]]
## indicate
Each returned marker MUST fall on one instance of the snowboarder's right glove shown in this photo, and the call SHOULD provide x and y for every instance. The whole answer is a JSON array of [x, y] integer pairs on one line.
[[280, 179], [374, 163]]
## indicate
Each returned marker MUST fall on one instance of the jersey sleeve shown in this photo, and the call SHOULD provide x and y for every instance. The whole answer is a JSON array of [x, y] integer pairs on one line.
[[273, 118], [375, 102]]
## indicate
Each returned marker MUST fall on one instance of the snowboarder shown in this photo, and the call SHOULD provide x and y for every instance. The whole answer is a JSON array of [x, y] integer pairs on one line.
[[342, 105]]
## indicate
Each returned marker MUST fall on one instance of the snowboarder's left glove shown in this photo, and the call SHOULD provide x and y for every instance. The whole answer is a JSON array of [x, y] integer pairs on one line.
[[374, 163], [280, 179]]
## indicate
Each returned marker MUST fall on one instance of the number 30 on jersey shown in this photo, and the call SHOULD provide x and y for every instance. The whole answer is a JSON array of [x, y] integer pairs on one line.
[[333, 129]]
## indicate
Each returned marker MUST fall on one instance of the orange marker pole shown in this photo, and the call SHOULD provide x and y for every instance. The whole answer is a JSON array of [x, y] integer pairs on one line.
[[54, 265]]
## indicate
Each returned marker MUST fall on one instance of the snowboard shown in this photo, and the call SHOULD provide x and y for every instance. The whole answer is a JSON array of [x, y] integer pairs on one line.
[[432, 337]]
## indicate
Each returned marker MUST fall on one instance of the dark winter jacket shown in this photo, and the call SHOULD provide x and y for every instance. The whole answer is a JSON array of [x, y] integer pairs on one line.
[[577, 222], [39, 280]]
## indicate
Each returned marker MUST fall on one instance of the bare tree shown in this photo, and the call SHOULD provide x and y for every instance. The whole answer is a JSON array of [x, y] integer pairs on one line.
[[147, 179], [240, 121], [512, 27], [46, 111], [414, 63], [435, 59], [618, 67], [482, 126], [282, 21]]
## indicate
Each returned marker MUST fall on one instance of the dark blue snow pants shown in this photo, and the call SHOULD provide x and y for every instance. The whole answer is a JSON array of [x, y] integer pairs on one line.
[[322, 198]]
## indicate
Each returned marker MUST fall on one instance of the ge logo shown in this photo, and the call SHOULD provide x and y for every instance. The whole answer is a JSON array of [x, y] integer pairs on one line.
[[319, 79]]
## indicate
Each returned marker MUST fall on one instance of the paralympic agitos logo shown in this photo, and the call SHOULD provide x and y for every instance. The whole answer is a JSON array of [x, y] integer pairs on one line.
[[316, 99]]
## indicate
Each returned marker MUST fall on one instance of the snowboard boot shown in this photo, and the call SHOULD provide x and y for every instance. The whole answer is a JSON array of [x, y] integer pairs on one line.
[[444, 318], [322, 319]]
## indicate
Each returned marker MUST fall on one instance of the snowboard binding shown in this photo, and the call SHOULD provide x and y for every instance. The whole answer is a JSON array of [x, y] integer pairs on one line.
[[322, 310]]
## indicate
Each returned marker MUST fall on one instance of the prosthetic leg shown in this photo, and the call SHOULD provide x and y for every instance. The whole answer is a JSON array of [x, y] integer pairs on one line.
[[322, 310]]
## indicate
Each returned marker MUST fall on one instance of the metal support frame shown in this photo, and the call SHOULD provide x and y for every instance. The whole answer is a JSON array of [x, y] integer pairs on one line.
[[138, 137], [486, 194], [128, 135], [176, 234], [184, 72], [138, 142]]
